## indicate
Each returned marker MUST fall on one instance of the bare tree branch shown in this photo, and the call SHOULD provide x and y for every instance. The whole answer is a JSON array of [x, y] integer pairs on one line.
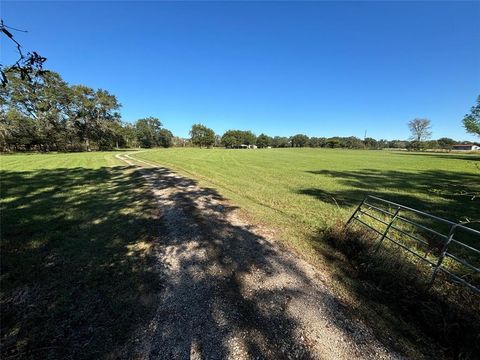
[[28, 65]]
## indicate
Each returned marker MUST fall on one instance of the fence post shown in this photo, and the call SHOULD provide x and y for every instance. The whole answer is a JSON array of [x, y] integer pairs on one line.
[[355, 212], [442, 254], [395, 214]]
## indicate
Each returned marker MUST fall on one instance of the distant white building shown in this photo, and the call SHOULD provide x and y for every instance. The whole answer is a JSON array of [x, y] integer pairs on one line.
[[243, 146], [466, 147]]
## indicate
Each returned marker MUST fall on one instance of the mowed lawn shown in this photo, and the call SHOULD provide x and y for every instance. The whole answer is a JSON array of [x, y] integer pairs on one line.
[[76, 270], [304, 190], [77, 230]]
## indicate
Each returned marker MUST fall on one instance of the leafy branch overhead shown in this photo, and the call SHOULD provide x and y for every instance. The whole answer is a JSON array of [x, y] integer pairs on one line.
[[28, 65], [471, 121]]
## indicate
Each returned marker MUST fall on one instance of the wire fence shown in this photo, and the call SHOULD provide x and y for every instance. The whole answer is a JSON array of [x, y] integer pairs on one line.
[[448, 247]]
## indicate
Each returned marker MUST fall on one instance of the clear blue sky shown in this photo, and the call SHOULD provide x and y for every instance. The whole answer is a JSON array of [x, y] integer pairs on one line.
[[319, 68]]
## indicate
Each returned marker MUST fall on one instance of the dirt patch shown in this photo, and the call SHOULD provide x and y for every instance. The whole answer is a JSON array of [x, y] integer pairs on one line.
[[232, 292]]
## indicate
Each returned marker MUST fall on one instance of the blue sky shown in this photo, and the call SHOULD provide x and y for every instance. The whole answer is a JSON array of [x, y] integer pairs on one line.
[[320, 68]]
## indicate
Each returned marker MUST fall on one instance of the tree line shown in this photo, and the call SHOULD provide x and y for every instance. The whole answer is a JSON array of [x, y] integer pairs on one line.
[[47, 114], [44, 113], [420, 130], [204, 137]]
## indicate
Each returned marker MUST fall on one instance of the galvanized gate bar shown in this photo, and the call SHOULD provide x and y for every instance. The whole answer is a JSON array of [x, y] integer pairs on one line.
[[411, 209], [379, 209], [409, 235], [422, 227], [373, 217], [447, 239], [395, 216]]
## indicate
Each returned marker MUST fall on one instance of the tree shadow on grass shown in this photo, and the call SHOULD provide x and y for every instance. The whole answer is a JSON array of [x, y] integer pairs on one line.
[[452, 195], [77, 270], [205, 311], [91, 264], [449, 156]]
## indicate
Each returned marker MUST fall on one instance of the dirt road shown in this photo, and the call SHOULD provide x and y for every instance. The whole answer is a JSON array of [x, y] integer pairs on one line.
[[232, 292]]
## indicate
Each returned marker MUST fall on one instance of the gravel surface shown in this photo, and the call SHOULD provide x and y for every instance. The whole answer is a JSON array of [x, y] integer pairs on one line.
[[231, 292]]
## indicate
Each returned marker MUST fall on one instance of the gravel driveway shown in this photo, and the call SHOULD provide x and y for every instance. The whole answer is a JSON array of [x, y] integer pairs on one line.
[[232, 292]]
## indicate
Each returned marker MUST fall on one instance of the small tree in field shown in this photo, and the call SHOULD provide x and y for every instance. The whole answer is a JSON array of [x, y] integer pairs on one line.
[[420, 129], [202, 135], [471, 121]]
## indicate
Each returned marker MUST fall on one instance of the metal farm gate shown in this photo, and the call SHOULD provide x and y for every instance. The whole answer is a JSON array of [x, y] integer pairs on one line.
[[448, 247]]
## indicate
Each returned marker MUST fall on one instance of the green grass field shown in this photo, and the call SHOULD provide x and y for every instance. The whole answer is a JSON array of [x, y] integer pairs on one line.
[[76, 271], [303, 190], [306, 193], [76, 230]]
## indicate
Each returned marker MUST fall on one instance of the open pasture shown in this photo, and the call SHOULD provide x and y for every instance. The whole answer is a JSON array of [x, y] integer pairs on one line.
[[303, 192], [73, 222], [313, 188]]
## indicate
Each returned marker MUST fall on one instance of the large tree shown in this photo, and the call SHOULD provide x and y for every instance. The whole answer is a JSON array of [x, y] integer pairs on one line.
[[280, 142], [129, 135], [471, 121], [299, 140], [148, 132], [352, 142], [165, 138], [45, 101], [231, 138], [55, 116], [93, 112], [235, 138], [48, 114], [249, 138], [17, 131], [420, 129], [316, 142], [370, 143], [202, 135], [263, 141]]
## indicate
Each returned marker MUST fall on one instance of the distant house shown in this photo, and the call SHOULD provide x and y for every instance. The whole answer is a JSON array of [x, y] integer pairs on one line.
[[466, 147], [242, 146]]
